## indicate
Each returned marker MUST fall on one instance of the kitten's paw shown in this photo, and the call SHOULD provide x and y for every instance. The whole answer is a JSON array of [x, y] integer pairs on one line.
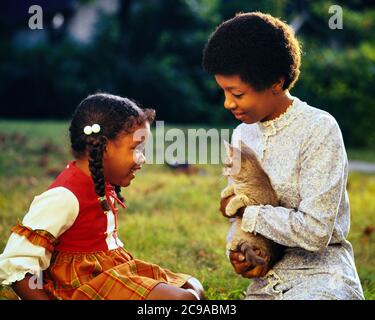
[[233, 206], [225, 193], [230, 211], [245, 200]]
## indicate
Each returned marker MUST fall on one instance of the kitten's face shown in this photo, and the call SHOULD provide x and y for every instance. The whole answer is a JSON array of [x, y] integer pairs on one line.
[[238, 165]]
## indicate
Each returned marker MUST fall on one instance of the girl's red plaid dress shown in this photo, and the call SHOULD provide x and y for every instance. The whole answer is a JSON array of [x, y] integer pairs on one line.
[[68, 236]]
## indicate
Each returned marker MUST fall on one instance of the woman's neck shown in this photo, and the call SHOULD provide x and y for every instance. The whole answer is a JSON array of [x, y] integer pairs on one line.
[[282, 103]]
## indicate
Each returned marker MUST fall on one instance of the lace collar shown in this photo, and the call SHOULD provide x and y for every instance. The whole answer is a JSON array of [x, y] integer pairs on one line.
[[271, 127]]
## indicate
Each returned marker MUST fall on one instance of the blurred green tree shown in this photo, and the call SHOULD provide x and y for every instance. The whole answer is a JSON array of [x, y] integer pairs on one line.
[[151, 51]]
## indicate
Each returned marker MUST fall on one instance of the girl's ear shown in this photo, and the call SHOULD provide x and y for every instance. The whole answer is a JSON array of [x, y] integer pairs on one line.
[[107, 143], [228, 149]]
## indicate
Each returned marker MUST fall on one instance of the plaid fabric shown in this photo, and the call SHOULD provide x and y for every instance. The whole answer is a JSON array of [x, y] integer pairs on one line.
[[105, 275], [38, 237]]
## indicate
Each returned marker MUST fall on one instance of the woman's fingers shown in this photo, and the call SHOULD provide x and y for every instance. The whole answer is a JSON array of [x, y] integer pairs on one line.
[[236, 256], [244, 268], [258, 271], [223, 204], [240, 265]]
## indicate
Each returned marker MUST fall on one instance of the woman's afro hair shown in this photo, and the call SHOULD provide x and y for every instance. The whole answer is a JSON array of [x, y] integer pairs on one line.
[[258, 47]]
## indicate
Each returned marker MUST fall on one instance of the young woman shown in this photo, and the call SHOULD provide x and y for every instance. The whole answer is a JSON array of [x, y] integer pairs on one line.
[[256, 59]]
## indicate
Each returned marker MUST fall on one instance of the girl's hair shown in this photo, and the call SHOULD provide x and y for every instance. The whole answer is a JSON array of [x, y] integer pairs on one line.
[[258, 47], [115, 115]]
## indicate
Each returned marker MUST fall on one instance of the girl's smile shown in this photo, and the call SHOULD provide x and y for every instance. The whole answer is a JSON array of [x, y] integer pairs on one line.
[[133, 171]]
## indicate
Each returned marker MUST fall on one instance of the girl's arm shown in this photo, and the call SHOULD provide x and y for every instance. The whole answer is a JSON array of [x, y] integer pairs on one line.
[[30, 246], [322, 188], [23, 290]]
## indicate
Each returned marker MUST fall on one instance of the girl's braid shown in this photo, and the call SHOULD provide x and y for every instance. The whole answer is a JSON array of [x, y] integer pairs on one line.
[[96, 146], [118, 192]]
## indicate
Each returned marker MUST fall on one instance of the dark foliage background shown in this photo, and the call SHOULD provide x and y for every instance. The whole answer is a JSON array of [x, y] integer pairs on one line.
[[150, 50]]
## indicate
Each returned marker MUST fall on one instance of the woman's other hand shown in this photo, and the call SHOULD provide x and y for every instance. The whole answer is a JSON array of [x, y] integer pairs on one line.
[[244, 268]]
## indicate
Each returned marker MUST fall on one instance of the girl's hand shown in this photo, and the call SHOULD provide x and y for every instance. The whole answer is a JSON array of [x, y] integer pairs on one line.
[[224, 203], [24, 291], [244, 268]]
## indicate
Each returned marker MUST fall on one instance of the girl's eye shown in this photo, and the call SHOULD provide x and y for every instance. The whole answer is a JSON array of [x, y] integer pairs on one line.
[[237, 95]]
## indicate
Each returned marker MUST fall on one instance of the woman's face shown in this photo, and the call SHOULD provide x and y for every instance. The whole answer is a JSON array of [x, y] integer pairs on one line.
[[125, 155], [246, 104]]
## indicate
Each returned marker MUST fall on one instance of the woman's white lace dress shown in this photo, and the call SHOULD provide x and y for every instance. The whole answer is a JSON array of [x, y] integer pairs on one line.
[[303, 153]]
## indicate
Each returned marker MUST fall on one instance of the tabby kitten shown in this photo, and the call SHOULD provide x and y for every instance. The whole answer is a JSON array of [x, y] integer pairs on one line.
[[251, 186]]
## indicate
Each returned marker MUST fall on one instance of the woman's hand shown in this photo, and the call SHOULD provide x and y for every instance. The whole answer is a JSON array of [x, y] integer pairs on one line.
[[224, 203], [244, 268]]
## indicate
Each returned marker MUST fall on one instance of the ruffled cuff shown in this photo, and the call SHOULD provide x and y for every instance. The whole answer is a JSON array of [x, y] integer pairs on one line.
[[18, 273], [37, 237], [249, 218]]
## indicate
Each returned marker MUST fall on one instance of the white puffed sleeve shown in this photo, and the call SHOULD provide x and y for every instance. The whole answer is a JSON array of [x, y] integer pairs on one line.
[[51, 213]]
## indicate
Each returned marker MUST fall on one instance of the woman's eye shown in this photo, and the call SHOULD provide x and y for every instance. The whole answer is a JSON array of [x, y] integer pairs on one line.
[[237, 95]]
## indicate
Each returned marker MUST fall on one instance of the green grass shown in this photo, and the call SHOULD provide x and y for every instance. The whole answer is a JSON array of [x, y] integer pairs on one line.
[[172, 219]]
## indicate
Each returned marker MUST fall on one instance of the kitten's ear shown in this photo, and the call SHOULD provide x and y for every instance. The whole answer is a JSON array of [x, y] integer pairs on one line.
[[245, 148], [243, 144], [228, 148]]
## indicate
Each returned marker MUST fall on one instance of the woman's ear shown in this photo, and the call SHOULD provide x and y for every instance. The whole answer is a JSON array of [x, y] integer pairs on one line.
[[277, 87]]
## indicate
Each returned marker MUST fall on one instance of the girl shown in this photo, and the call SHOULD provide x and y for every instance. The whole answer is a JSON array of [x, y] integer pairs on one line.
[[255, 59], [70, 231]]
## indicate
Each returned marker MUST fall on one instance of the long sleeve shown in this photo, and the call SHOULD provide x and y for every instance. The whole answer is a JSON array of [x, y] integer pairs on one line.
[[50, 215], [322, 183]]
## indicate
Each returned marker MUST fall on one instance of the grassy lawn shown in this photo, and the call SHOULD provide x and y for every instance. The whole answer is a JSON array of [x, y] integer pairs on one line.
[[172, 218]]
